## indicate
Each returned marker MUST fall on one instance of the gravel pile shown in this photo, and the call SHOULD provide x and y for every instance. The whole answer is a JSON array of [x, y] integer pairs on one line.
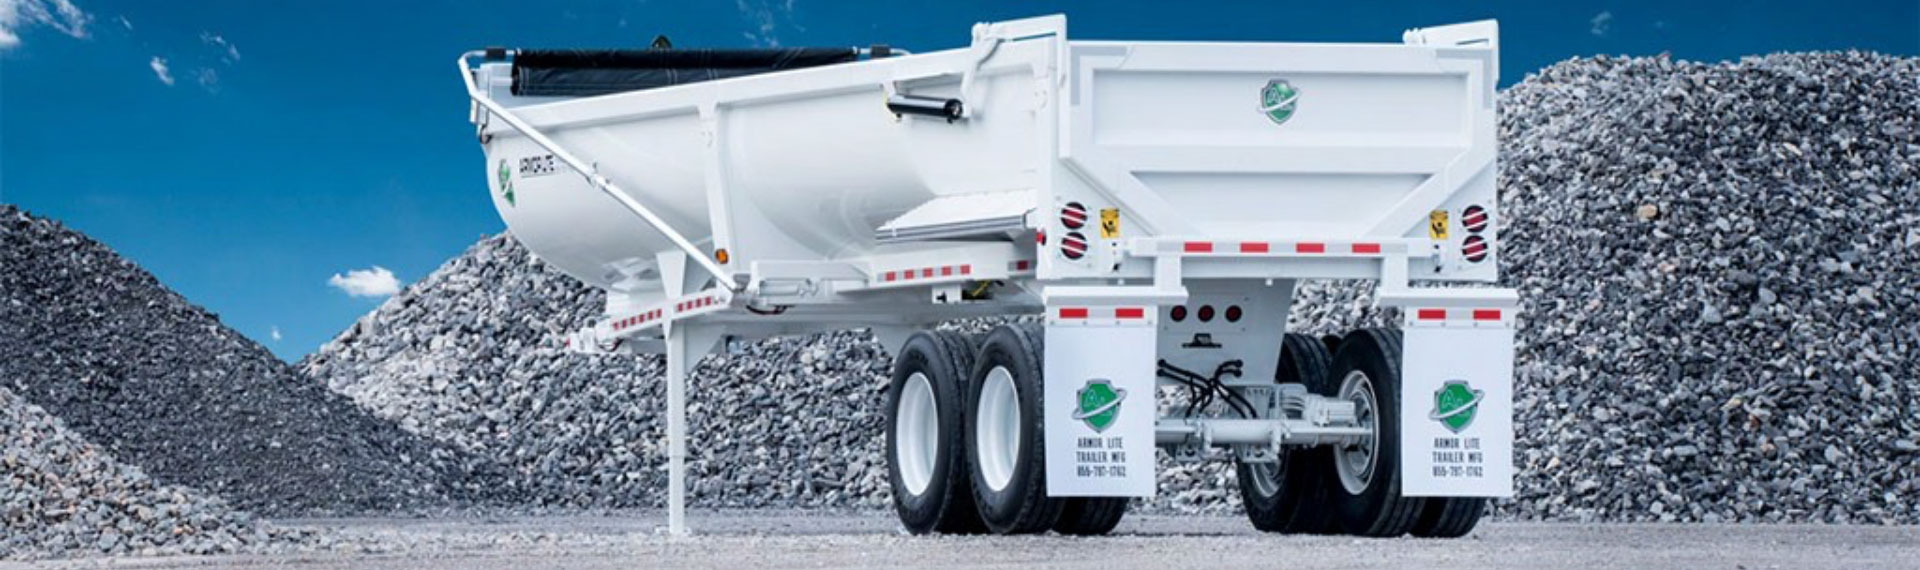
[[161, 384], [467, 356], [1721, 269], [1717, 260], [61, 496]]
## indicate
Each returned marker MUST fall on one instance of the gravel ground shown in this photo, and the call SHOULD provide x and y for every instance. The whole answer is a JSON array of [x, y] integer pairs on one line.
[[785, 539], [62, 496], [1717, 263], [163, 385]]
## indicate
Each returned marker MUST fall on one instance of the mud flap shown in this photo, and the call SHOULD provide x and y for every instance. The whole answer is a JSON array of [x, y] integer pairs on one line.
[[1456, 408], [1100, 407]]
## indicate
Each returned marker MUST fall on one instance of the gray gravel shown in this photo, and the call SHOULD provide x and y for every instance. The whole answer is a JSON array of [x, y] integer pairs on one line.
[[62, 496], [780, 539], [1717, 262], [467, 356], [162, 384]]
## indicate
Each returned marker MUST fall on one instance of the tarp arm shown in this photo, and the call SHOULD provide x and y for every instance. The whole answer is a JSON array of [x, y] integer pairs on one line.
[[592, 174]]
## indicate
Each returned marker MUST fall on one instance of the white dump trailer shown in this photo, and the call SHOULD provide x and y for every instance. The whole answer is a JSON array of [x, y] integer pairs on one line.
[[1155, 203]]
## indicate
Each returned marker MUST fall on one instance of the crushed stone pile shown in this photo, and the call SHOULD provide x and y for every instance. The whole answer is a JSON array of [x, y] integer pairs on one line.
[[62, 496], [1718, 265], [1721, 270], [163, 385], [468, 356]]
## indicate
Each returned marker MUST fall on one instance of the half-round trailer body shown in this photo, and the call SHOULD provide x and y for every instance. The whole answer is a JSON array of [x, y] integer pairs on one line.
[[809, 162], [1213, 141]]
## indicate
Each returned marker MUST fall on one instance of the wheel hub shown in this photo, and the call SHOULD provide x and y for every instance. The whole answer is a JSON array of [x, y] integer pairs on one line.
[[916, 433], [1355, 461], [997, 430]]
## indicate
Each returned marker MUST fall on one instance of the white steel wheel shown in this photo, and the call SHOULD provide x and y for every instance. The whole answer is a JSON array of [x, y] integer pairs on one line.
[[1289, 494], [926, 464], [1006, 450], [997, 428], [1355, 462], [917, 425], [1265, 477], [1368, 501]]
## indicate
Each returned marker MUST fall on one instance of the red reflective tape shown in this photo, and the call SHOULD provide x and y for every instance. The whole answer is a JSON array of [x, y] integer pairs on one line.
[[1309, 247], [1253, 247], [1433, 314], [928, 272], [1486, 314], [1073, 312], [947, 270], [1199, 247], [1129, 313], [1022, 265], [888, 276], [966, 269], [1366, 248]]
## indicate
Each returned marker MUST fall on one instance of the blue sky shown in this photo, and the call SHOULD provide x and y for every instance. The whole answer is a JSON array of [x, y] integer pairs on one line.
[[289, 142]]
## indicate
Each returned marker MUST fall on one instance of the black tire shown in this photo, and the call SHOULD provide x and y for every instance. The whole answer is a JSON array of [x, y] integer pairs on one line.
[[1290, 495], [1022, 505], [1376, 508], [1449, 517], [944, 358], [1090, 516]]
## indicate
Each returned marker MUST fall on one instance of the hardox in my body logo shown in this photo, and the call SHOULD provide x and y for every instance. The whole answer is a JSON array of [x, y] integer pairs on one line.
[[506, 182], [1098, 404], [1278, 100], [1455, 404]]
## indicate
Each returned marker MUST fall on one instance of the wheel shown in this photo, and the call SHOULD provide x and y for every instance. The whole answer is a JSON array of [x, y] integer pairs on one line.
[[1366, 490], [1006, 453], [1289, 494], [926, 435], [1090, 516], [1448, 517]]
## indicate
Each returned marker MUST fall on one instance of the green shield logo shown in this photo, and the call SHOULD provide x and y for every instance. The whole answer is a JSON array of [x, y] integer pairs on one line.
[[506, 182], [1278, 100], [1099, 404], [1455, 404]]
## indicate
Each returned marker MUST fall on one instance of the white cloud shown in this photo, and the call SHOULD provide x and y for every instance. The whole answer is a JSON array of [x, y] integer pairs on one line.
[[159, 65], [376, 282], [1601, 23], [126, 23], [764, 16], [209, 80], [61, 15], [230, 55], [274, 332]]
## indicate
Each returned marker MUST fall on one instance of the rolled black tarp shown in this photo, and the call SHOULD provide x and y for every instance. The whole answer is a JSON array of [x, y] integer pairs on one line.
[[580, 73]]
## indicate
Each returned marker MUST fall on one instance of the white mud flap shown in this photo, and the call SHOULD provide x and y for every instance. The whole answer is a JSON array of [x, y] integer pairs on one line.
[[1456, 409], [1099, 399]]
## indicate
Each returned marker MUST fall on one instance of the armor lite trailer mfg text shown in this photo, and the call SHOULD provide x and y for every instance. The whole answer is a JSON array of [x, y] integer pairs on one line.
[[1157, 202]]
